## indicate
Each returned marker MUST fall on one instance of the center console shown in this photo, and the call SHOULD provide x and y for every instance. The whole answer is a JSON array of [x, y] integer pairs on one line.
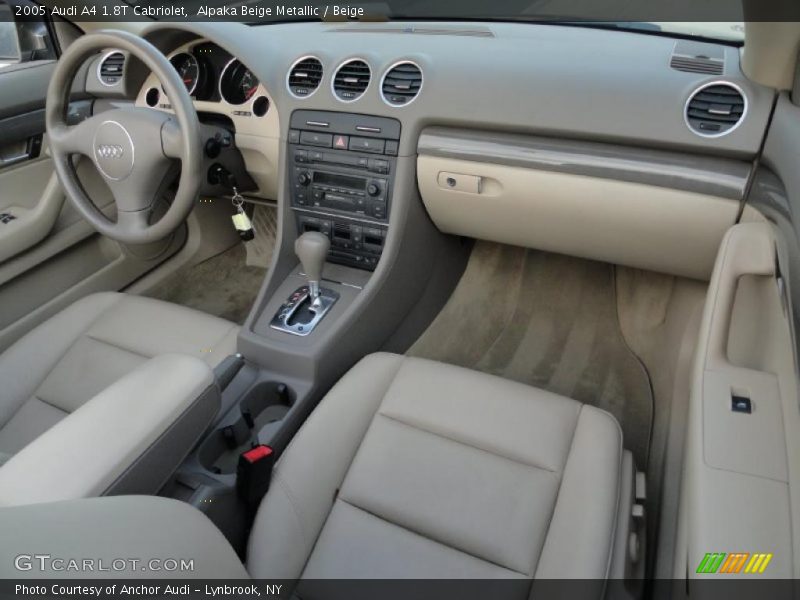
[[342, 170], [347, 176]]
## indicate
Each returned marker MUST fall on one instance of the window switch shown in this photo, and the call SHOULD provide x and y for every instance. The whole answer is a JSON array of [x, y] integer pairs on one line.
[[741, 404]]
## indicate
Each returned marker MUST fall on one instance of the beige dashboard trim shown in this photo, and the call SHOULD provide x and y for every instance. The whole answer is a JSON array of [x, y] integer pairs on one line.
[[258, 138], [637, 225]]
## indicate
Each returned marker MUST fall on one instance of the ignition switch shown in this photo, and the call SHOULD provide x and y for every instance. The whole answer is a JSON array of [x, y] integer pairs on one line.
[[219, 175]]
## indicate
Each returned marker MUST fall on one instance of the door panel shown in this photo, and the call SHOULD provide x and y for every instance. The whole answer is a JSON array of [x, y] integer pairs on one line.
[[49, 256], [743, 440], [31, 194], [743, 422], [67, 259], [30, 202]]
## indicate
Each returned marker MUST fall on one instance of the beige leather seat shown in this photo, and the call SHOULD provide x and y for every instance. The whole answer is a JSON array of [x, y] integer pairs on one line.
[[407, 468], [420, 469], [76, 354]]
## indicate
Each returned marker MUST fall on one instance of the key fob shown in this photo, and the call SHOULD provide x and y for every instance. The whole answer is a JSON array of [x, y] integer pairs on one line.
[[244, 226]]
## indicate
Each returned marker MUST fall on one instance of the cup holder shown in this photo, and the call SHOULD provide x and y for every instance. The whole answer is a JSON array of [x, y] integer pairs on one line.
[[265, 404]]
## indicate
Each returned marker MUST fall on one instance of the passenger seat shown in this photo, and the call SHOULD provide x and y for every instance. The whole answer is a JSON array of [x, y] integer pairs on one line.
[[408, 468]]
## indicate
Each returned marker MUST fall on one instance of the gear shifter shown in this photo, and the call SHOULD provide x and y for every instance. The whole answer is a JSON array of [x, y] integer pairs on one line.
[[312, 248], [307, 305]]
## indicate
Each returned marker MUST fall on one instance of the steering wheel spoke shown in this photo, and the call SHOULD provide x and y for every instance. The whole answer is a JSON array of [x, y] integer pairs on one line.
[[74, 139], [171, 140], [133, 222]]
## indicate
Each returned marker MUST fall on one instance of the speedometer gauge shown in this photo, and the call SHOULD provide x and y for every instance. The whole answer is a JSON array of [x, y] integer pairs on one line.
[[237, 84], [189, 70]]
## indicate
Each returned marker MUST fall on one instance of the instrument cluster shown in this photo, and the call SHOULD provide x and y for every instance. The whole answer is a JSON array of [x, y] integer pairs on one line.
[[212, 74]]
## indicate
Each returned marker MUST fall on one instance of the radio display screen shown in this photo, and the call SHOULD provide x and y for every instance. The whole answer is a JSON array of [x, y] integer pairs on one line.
[[336, 180]]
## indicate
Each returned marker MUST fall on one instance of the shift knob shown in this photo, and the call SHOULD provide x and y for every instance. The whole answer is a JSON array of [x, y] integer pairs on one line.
[[312, 248]]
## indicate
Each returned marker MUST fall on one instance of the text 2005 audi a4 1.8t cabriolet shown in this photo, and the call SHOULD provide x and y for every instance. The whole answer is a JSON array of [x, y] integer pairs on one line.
[[399, 298]]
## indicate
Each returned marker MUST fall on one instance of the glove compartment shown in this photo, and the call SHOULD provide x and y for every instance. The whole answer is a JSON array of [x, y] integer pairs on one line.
[[648, 209]]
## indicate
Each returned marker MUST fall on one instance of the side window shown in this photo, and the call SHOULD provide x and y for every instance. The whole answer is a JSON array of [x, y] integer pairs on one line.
[[24, 33], [9, 40]]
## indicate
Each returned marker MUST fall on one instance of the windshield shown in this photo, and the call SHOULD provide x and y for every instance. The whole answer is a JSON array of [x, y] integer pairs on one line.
[[729, 31], [612, 14]]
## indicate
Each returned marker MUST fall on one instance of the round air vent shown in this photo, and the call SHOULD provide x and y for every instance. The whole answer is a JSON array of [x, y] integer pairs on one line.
[[304, 77], [351, 80], [715, 109], [401, 84], [110, 69]]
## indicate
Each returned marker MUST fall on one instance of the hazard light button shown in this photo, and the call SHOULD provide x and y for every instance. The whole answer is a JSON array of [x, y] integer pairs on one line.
[[340, 142]]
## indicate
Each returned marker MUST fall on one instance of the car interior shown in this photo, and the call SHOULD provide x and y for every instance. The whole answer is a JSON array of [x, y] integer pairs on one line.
[[401, 299]]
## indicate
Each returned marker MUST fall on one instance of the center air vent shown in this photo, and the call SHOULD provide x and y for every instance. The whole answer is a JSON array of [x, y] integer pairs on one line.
[[401, 84], [110, 70], [304, 77], [351, 80], [715, 109]]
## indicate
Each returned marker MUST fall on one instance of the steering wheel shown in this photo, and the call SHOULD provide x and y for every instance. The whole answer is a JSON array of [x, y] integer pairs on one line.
[[132, 148]]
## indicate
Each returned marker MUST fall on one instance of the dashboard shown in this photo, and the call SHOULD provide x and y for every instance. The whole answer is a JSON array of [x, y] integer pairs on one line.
[[558, 81], [586, 133]]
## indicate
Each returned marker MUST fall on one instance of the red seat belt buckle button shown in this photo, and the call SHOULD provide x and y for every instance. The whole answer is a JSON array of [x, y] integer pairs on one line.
[[257, 453], [253, 474]]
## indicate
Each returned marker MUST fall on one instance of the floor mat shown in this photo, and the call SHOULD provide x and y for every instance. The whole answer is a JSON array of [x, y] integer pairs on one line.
[[549, 321], [265, 224], [224, 285]]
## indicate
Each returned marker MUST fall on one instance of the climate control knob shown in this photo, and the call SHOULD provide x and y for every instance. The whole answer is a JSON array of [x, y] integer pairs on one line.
[[373, 189], [303, 178]]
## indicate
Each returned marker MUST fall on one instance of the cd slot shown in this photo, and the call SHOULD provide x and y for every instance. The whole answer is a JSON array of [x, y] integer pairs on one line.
[[339, 180], [339, 202]]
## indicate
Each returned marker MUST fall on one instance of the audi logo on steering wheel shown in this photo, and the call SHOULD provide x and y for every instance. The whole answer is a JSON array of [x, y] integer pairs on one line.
[[110, 151]]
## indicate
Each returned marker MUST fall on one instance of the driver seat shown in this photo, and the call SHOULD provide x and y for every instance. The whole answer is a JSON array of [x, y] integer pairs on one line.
[[70, 358]]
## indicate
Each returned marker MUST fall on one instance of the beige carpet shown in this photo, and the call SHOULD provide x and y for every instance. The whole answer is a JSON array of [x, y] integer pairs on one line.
[[224, 286], [549, 321], [265, 224]]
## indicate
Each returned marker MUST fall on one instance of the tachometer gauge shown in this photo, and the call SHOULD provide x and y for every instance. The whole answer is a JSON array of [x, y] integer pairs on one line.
[[237, 84], [248, 84], [189, 70]]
